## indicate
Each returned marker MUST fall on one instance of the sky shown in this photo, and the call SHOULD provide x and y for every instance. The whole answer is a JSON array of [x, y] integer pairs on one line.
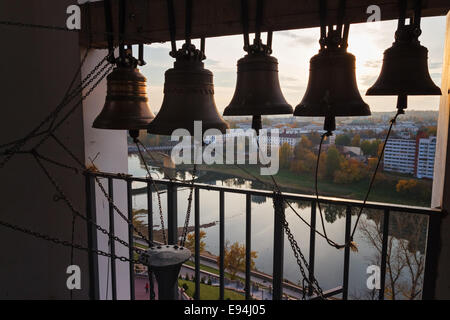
[[293, 49]]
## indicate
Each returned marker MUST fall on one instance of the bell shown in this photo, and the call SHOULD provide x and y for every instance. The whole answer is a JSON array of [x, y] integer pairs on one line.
[[332, 90], [258, 89], [165, 261], [405, 67], [188, 97], [126, 106]]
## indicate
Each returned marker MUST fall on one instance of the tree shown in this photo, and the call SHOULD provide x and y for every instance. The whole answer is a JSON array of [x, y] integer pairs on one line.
[[190, 241], [356, 141], [333, 162], [285, 153], [351, 171], [234, 258], [343, 140]]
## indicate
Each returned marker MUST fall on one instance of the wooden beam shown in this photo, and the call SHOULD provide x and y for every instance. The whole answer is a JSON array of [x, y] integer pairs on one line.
[[147, 20]]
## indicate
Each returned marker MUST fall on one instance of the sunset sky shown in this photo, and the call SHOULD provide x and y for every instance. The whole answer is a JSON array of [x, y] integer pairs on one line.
[[293, 49]]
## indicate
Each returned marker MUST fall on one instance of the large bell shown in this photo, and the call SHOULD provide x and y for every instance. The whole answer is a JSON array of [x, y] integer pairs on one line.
[[126, 106], [258, 89], [332, 90], [188, 97], [405, 67], [165, 261]]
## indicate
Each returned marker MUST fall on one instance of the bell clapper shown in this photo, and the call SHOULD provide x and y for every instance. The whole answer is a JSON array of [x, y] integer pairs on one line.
[[329, 125], [134, 134], [256, 124], [402, 103]]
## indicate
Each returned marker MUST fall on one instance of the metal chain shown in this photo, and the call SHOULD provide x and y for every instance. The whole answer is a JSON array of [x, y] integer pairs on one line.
[[111, 201], [161, 217], [66, 100], [189, 208], [277, 202], [64, 242], [62, 196]]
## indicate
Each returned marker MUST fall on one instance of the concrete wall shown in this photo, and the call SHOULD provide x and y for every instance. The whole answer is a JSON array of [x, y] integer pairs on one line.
[[441, 183], [36, 69]]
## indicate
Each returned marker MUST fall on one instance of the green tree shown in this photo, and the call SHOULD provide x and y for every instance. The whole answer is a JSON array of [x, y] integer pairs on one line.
[[333, 162], [343, 140]]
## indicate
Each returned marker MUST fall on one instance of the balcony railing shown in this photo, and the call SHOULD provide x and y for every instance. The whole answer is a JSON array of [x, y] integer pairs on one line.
[[431, 250]]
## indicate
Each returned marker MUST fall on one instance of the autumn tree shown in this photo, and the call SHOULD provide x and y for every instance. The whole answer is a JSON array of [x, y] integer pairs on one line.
[[285, 153], [234, 258], [190, 241], [356, 140]]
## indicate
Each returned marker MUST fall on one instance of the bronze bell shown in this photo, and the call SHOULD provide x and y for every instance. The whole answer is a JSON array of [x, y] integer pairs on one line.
[[405, 67], [188, 97], [258, 89], [126, 106], [332, 90]]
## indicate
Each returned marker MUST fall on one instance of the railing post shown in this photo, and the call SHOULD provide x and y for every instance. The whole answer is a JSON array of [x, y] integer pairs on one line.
[[278, 249], [91, 214], [130, 237], [197, 243], [150, 234], [312, 247], [348, 225], [112, 242], [431, 258], [384, 253], [248, 239], [222, 245], [172, 223]]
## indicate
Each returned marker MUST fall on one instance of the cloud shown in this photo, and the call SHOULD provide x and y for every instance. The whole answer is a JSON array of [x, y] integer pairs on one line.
[[304, 39]]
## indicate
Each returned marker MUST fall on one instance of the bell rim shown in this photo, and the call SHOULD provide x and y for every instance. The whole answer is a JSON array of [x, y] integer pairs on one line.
[[315, 110], [257, 110]]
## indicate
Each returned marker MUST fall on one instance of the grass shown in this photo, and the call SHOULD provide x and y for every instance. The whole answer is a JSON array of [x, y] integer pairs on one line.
[[209, 292]]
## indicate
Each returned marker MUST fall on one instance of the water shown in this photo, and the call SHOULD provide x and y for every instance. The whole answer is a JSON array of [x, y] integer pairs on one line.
[[329, 262]]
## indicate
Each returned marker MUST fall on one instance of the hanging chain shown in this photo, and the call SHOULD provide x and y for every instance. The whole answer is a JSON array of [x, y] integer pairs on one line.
[[161, 217], [188, 211], [64, 242], [278, 201]]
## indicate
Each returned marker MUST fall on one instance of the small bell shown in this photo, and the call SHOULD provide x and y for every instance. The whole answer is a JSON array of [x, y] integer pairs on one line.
[[165, 261], [188, 96], [405, 67], [332, 90], [126, 106], [258, 89]]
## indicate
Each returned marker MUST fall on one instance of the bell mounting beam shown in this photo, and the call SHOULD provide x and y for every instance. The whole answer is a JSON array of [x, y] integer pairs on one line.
[[147, 20]]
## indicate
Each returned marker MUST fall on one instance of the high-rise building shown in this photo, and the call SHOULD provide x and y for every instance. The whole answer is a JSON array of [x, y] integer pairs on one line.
[[426, 150], [414, 157], [400, 156]]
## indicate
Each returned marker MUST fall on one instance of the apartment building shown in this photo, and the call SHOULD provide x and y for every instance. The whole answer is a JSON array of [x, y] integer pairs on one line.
[[400, 156], [414, 157], [425, 157]]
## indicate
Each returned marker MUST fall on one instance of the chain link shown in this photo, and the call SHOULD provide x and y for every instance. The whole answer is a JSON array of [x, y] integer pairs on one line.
[[64, 242], [189, 208], [278, 201], [158, 195]]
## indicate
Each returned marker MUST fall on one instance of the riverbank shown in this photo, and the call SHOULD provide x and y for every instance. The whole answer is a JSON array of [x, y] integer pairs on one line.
[[304, 183]]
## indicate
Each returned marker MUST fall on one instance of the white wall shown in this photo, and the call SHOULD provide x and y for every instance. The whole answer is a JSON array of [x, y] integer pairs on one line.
[[109, 147]]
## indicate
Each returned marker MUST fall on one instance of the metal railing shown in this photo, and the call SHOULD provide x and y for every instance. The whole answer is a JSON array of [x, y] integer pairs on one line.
[[431, 252]]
